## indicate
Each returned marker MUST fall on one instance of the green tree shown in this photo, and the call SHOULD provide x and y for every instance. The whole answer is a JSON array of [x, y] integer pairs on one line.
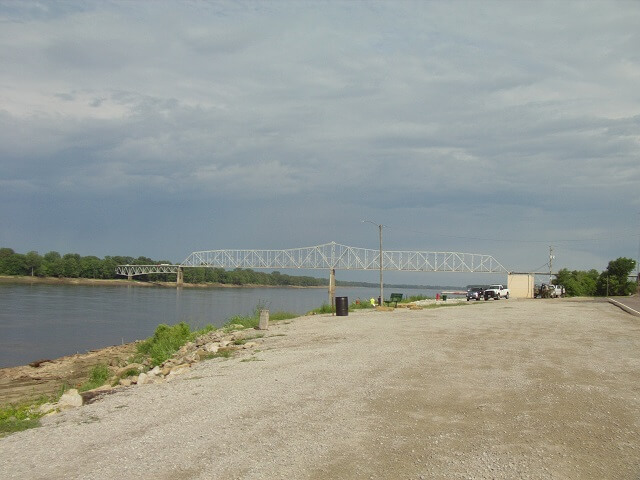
[[578, 283], [12, 263], [33, 261], [5, 254], [52, 264], [71, 265], [615, 279], [90, 267]]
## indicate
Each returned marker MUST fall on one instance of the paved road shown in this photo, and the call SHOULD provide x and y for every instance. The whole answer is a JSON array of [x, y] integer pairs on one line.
[[632, 303]]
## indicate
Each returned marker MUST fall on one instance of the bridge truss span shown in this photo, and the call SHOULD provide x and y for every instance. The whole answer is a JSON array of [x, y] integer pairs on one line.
[[336, 256]]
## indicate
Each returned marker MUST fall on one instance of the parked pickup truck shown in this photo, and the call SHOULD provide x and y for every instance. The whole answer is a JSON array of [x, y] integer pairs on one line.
[[496, 292]]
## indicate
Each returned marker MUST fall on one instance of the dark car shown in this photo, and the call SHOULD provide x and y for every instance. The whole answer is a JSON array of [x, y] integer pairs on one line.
[[475, 293]]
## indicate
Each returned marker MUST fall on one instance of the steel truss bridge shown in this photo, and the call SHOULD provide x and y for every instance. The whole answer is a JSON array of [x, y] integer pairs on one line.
[[328, 256]]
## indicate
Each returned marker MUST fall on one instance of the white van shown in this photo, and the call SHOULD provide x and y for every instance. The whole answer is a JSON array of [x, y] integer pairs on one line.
[[558, 291]]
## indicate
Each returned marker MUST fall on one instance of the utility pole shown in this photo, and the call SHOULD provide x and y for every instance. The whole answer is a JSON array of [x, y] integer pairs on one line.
[[638, 259], [551, 257], [381, 287], [380, 230]]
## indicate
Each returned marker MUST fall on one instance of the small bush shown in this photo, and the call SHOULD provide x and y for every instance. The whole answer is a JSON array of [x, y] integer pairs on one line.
[[165, 342]]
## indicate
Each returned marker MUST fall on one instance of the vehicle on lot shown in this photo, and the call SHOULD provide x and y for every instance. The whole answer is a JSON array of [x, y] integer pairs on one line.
[[475, 293], [496, 292], [549, 291]]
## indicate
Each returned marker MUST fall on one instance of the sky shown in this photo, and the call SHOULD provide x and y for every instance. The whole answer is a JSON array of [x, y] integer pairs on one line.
[[158, 128]]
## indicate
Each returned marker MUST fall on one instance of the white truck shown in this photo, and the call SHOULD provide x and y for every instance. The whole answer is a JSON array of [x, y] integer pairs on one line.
[[496, 292]]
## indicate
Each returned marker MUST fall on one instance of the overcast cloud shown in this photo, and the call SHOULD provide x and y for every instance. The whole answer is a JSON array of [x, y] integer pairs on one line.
[[159, 128]]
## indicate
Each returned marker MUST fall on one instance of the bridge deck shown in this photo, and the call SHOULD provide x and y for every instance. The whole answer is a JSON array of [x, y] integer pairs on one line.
[[327, 257]]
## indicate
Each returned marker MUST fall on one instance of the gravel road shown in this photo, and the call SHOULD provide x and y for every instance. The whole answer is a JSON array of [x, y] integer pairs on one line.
[[510, 389]]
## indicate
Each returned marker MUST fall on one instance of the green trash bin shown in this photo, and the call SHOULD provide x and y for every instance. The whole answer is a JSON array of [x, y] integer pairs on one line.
[[444, 298]]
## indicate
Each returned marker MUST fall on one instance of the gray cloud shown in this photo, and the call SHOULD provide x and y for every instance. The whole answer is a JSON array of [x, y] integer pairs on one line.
[[469, 120]]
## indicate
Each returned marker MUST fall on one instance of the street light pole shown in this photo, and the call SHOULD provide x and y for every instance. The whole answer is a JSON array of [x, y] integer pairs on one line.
[[638, 259], [380, 232]]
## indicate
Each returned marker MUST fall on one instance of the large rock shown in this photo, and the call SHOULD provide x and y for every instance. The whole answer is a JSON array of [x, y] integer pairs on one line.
[[70, 399], [179, 369]]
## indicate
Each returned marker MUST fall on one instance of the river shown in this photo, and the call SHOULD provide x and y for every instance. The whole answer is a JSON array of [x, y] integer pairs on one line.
[[49, 321]]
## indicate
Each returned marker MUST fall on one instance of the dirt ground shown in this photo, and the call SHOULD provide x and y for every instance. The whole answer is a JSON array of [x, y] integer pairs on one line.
[[26, 383], [511, 389]]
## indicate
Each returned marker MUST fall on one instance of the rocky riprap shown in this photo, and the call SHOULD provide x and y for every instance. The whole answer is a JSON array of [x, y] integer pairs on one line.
[[217, 343]]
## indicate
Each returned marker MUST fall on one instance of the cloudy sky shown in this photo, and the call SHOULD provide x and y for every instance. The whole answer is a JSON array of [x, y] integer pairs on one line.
[[159, 128]]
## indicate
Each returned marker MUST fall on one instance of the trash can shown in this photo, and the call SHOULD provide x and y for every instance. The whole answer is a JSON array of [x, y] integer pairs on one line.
[[444, 298], [342, 306], [437, 296]]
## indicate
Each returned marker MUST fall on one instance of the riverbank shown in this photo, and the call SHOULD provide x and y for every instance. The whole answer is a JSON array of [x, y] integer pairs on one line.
[[47, 377], [22, 280], [512, 389]]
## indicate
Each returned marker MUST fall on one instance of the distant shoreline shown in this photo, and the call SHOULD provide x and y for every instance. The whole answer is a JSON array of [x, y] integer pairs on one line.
[[28, 280]]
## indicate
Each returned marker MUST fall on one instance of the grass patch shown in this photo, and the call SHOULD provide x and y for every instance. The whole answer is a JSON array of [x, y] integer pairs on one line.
[[415, 298], [16, 418], [360, 305], [324, 308], [165, 342], [98, 377], [131, 372], [251, 321], [280, 316]]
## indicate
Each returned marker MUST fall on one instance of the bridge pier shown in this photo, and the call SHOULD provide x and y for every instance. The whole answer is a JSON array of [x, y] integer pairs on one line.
[[180, 277], [332, 287]]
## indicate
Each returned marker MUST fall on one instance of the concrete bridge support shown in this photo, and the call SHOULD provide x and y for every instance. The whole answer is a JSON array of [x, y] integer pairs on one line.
[[180, 277], [332, 287]]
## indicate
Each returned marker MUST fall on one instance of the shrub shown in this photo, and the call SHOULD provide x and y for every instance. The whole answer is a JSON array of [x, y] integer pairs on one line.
[[165, 342]]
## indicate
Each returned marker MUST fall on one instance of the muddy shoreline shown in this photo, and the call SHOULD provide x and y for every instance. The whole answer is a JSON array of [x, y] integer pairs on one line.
[[27, 383]]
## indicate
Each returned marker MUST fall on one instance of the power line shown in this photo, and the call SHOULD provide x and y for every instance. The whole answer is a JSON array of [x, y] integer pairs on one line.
[[594, 238]]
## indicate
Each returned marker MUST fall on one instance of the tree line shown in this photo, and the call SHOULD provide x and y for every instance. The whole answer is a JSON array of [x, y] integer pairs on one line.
[[615, 280], [73, 265], [612, 281]]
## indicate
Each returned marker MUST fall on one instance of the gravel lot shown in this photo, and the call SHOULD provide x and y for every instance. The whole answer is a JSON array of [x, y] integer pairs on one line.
[[513, 389]]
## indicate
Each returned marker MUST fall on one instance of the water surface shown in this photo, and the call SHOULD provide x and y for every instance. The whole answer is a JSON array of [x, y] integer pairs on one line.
[[49, 321]]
